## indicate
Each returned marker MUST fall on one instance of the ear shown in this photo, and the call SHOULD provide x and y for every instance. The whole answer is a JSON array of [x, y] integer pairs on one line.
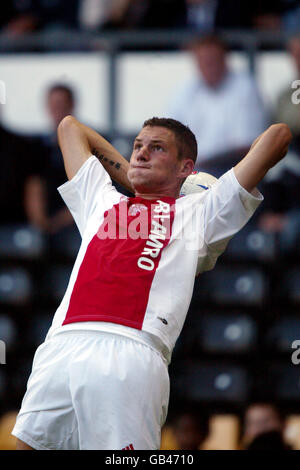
[[187, 167]]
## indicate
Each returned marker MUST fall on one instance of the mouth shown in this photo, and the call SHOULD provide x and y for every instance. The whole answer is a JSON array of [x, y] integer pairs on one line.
[[140, 167]]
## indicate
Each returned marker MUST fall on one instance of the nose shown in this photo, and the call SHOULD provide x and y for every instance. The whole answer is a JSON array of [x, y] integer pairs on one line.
[[143, 154]]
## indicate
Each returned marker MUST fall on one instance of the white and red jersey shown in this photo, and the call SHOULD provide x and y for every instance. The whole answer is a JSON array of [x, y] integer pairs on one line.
[[138, 259]]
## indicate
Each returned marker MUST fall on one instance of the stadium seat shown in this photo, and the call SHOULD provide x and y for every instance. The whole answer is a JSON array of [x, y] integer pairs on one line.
[[286, 380], [2, 383], [209, 381], [15, 286], [290, 287], [232, 285], [56, 281], [66, 242], [251, 243], [18, 379], [289, 237], [226, 333], [39, 328], [21, 241], [8, 331], [283, 333]]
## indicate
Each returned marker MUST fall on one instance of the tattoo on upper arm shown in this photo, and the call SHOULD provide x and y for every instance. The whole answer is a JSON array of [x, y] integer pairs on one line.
[[102, 158]]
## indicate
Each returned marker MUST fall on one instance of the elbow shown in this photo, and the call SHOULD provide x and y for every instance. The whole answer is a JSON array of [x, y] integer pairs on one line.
[[283, 133], [65, 124]]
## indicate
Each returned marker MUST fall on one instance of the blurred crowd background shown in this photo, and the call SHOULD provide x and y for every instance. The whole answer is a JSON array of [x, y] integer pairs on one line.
[[235, 380], [23, 16]]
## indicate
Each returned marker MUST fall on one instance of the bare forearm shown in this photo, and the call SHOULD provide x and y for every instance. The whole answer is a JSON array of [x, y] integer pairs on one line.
[[73, 144], [115, 164], [78, 142], [60, 219], [35, 203], [266, 151]]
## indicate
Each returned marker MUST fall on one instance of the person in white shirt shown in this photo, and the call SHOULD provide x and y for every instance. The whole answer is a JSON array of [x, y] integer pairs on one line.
[[100, 380], [223, 108]]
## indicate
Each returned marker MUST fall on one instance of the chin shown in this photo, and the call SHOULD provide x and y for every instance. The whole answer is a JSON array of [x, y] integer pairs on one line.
[[140, 181]]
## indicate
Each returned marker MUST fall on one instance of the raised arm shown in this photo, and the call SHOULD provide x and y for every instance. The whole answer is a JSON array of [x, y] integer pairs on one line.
[[78, 142], [267, 150]]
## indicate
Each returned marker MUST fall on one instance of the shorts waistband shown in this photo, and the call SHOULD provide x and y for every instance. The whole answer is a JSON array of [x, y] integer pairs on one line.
[[142, 337]]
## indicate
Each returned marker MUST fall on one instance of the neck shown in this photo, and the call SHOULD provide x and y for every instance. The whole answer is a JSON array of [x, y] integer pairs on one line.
[[219, 83], [157, 191], [156, 195]]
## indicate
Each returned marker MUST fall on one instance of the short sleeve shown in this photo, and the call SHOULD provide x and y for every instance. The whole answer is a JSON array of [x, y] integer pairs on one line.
[[89, 189], [227, 208]]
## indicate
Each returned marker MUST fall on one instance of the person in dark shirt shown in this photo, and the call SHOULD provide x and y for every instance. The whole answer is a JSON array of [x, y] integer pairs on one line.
[[190, 427], [147, 14], [44, 206], [19, 17], [263, 427], [17, 164], [271, 440], [281, 213]]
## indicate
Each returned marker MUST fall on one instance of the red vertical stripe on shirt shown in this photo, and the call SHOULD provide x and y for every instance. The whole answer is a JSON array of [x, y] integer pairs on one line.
[[110, 285]]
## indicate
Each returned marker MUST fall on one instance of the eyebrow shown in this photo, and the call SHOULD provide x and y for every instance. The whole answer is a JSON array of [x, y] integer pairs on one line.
[[153, 141]]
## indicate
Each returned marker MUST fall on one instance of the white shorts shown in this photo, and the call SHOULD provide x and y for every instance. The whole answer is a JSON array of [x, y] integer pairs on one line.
[[93, 390]]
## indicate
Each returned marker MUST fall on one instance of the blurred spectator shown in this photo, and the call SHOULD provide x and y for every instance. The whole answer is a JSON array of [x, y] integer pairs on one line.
[[201, 14], [45, 208], [27, 16], [268, 14], [286, 111], [17, 163], [276, 15], [259, 418], [162, 13], [7, 422], [8, 14], [132, 14], [291, 16], [96, 14], [281, 211], [271, 440], [222, 107], [281, 187], [190, 428], [208, 15], [19, 16]]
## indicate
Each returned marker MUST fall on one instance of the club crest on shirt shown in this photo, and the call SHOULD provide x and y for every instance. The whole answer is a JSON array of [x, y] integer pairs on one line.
[[136, 209]]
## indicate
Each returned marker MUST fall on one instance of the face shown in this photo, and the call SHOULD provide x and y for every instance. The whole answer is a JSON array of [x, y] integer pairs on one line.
[[187, 433], [59, 105], [211, 62], [259, 419], [154, 166]]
